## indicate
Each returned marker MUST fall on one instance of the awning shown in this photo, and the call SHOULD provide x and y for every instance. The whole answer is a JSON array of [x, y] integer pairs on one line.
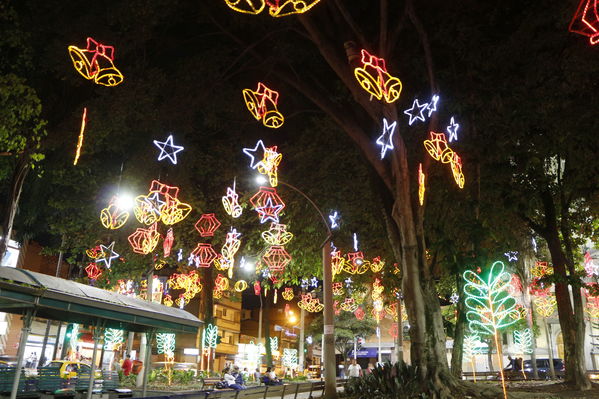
[[55, 298]]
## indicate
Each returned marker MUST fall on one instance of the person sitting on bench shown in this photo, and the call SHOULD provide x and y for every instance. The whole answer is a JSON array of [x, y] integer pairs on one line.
[[270, 378]]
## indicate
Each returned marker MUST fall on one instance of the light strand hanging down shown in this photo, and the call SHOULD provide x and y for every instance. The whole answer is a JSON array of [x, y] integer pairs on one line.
[[80, 139]]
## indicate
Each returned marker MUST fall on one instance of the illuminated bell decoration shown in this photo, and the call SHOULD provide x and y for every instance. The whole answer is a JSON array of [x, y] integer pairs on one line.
[[204, 254], [276, 258], [168, 243], [355, 263], [277, 234], [96, 63], [167, 300], [586, 20], [246, 6], [287, 293], [281, 8], [338, 289], [377, 264], [392, 311], [262, 104], [438, 148], [174, 211], [217, 294], [359, 313], [456, 169], [95, 252], [310, 304], [377, 289], [221, 283], [144, 241], [231, 203], [207, 225], [240, 286], [349, 305], [421, 185], [593, 306], [374, 78], [270, 165], [159, 264], [221, 263], [337, 262], [145, 210], [268, 204], [93, 271], [541, 269], [113, 217]]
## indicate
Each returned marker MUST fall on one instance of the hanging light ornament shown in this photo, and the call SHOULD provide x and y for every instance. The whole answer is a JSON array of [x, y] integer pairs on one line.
[[268, 204], [230, 248], [277, 234], [276, 258], [377, 264], [240, 286], [338, 289], [355, 263], [231, 202], [257, 288], [167, 245], [310, 304], [270, 165], [167, 300], [586, 20], [374, 78], [287, 293], [349, 305], [204, 255], [439, 150], [93, 271], [541, 269], [113, 216], [96, 63], [391, 310], [262, 104], [337, 262], [421, 185], [456, 170], [144, 241], [207, 225], [277, 8], [359, 313]]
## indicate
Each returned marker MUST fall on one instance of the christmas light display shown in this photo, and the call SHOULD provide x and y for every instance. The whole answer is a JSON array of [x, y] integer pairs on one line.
[[314, 282], [277, 234], [247, 6], [338, 289], [80, 138], [432, 105], [290, 357], [167, 300], [385, 140], [231, 203], [374, 78], [95, 252], [274, 344], [512, 256], [452, 130], [391, 311], [348, 282], [93, 271], [74, 341], [586, 20], [189, 282], [96, 62], [333, 218], [240, 286], [438, 148], [378, 313], [204, 255], [472, 346], [113, 338], [355, 263], [541, 269], [262, 104], [167, 245], [359, 313], [147, 208], [490, 306], [257, 288], [174, 211], [144, 241], [288, 293], [216, 294], [113, 217], [221, 283], [268, 204], [281, 8], [168, 149], [456, 170], [276, 258], [270, 165], [349, 305], [523, 340], [230, 248], [207, 225], [416, 113], [421, 185], [377, 289], [337, 262], [377, 264], [210, 336], [589, 266], [254, 163], [161, 203], [165, 344], [107, 255], [310, 304]]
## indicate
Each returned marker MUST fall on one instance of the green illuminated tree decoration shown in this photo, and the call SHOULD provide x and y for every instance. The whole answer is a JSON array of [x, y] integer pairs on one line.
[[290, 357], [523, 340], [113, 338], [274, 344], [74, 341], [490, 306], [210, 336], [165, 344], [472, 347]]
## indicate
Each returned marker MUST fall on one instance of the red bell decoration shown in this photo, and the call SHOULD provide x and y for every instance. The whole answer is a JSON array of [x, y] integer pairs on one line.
[[277, 259], [207, 225], [144, 241], [204, 255]]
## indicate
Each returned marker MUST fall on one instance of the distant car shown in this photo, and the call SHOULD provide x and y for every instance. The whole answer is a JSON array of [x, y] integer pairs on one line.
[[544, 370], [72, 369], [3, 364]]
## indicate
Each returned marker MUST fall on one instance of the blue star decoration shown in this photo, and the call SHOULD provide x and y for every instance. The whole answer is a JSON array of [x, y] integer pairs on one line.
[[305, 283], [432, 106], [385, 140], [250, 153], [314, 282], [348, 281], [512, 256], [416, 112], [108, 255], [452, 129], [168, 149], [269, 211]]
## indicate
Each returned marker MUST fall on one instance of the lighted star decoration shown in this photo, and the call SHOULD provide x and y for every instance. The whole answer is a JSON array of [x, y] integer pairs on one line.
[[180, 255], [348, 282], [108, 255], [454, 298], [269, 211], [416, 112], [333, 218], [452, 130], [305, 283], [385, 140], [255, 160], [432, 106], [512, 256], [168, 149], [314, 282]]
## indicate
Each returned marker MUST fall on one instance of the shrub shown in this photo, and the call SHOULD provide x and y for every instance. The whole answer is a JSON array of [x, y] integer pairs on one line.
[[387, 381]]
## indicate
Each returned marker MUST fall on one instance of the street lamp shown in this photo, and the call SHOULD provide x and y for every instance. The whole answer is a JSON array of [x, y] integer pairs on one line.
[[330, 391]]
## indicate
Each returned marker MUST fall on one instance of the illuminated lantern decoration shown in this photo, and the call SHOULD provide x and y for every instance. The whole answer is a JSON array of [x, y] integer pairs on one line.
[[277, 234], [310, 304], [93, 271], [204, 254], [276, 258], [221, 283], [246, 6], [359, 313], [80, 139], [541, 269], [374, 78], [281, 8], [349, 305], [167, 300], [456, 169], [270, 165], [240, 286], [268, 204], [144, 241], [438, 148], [421, 185], [338, 289], [394, 330], [257, 288], [231, 203], [385, 140], [262, 104], [167, 245], [377, 264], [113, 217], [287, 293], [207, 225], [96, 63], [586, 20]]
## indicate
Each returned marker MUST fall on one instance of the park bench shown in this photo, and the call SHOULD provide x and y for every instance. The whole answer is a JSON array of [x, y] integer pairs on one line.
[[253, 393], [482, 375], [209, 382], [7, 374], [222, 394]]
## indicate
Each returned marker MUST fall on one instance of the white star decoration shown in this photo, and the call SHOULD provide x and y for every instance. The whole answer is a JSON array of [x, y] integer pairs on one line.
[[168, 149], [333, 218], [250, 153], [416, 112], [385, 140], [452, 129], [432, 106], [108, 255]]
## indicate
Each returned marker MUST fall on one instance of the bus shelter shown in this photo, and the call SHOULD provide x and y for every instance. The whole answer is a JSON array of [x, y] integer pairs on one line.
[[33, 294]]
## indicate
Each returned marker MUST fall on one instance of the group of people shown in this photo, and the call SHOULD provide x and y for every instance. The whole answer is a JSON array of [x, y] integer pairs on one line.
[[235, 379], [514, 364]]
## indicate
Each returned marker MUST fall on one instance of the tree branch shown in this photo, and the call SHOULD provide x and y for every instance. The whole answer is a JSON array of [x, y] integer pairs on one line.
[[384, 11], [351, 23], [426, 47]]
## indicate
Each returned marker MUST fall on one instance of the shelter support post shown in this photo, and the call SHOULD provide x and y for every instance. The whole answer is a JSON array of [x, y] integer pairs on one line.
[[330, 380], [56, 341], [27, 320], [98, 333], [147, 361], [302, 341]]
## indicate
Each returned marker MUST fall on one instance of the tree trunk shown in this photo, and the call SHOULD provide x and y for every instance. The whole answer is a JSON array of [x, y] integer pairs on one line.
[[12, 203], [457, 352], [266, 316], [490, 345]]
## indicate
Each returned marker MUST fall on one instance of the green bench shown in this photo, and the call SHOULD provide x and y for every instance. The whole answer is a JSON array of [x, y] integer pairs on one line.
[[7, 375]]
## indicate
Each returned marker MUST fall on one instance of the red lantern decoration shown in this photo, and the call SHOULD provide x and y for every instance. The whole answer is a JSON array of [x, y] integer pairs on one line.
[[207, 225], [394, 330], [268, 204], [257, 288], [93, 271], [586, 20], [167, 245], [204, 255], [277, 259]]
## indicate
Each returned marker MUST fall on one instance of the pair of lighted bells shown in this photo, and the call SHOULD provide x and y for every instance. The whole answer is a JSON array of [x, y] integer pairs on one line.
[[277, 8], [262, 103], [95, 62], [374, 78], [439, 150]]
